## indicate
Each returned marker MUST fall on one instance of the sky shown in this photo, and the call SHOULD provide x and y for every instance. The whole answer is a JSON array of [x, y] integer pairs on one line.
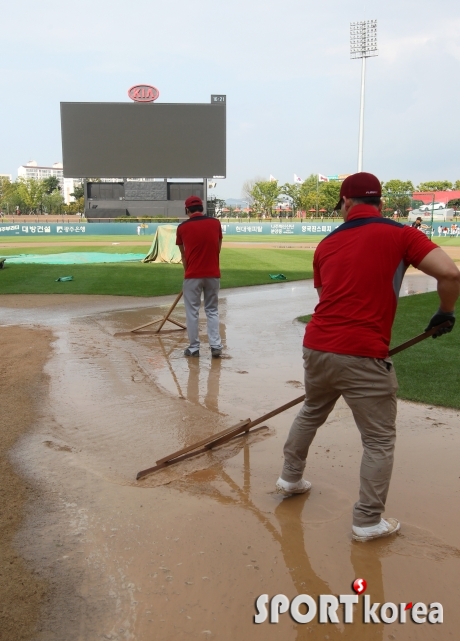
[[292, 90]]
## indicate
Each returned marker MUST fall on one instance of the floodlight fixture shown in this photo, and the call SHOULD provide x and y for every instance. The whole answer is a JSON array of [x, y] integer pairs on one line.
[[363, 44]]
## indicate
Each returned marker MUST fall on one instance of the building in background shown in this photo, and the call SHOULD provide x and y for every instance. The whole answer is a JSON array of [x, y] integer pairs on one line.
[[68, 188], [7, 176], [33, 170]]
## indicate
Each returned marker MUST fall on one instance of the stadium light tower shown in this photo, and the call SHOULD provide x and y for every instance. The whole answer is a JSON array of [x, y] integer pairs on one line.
[[363, 44]]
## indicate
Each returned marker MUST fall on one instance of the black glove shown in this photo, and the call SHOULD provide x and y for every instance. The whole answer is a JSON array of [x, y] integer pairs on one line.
[[439, 318]]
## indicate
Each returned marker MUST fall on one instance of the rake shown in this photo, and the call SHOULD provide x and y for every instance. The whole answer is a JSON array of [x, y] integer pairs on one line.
[[243, 427]]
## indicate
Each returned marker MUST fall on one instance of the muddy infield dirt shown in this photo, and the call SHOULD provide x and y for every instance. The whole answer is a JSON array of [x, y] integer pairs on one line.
[[185, 553]]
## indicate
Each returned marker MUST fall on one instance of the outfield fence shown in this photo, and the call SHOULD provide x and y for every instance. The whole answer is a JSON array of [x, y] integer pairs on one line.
[[81, 228]]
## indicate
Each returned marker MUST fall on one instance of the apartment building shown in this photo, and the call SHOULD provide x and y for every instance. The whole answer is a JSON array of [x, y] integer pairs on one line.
[[33, 170]]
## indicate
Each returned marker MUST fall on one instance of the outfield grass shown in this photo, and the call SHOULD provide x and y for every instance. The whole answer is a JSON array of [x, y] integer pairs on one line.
[[240, 267], [427, 372], [108, 240], [442, 242], [130, 238]]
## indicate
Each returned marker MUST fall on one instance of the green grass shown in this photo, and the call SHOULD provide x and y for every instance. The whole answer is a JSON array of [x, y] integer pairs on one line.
[[442, 242], [240, 267], [427, 372], [130, 238], [109, 240]]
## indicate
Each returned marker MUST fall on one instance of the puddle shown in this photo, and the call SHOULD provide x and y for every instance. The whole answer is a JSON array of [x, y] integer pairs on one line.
[[184, 553]]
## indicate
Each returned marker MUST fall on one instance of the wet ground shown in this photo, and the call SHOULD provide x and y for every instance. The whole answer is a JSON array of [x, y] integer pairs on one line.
[[184, 553]]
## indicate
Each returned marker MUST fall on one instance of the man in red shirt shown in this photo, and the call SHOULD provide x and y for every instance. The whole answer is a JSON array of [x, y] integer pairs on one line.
[[358, 270], [200, 239]]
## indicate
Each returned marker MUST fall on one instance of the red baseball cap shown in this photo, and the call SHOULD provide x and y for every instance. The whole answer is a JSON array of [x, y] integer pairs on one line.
[[361, 185], [193, 201]]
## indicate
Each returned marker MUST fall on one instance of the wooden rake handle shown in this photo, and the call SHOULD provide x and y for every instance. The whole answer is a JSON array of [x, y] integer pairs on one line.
[[168, 314], [244, 426], [418, 339]]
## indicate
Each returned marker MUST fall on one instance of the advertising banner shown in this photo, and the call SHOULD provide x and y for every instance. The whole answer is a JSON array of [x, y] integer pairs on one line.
[[250, 228]]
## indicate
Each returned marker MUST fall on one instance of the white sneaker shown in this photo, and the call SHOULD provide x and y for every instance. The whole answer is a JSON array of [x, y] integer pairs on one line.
[[384, 528], [286, 488]]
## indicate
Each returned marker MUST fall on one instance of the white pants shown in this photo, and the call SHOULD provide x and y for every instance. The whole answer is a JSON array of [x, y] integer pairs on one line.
[[192, 289]]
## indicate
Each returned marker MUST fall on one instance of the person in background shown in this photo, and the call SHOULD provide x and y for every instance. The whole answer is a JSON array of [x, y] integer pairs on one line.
[[200, 240]]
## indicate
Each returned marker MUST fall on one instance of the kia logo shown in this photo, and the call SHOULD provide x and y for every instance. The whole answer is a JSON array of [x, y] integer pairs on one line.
[[143, 93]]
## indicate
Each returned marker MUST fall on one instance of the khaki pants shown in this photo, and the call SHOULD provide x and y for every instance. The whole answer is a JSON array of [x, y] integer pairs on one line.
[[369, 387]]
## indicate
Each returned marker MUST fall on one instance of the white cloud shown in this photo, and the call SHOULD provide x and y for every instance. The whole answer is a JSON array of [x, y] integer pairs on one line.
[[293, 92]]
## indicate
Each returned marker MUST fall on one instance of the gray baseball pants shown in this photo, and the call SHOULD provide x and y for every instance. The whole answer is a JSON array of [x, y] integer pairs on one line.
[[368, 386], [192, 289]]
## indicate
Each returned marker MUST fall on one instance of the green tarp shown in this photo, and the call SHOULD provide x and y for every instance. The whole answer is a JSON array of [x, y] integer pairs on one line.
[[73, 258], [164, 248]]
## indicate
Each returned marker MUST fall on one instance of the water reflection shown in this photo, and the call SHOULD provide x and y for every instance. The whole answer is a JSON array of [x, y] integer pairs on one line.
[[166, 351], [293, 538], [364, 559], [211, 373]]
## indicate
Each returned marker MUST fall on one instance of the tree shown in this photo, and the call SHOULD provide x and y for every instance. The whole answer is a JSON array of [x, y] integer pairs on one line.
[[9, 196], [435, 185], [30, 192], [309, 193], [329, 194], [264, 194], [78, 206], [292, 191], [51, 184], [397, 196], [248, 186], [5, 185], [318, 195], [6, 192], [397, 187], [52, 202], [6, 189], [78, 192], [457, 185]]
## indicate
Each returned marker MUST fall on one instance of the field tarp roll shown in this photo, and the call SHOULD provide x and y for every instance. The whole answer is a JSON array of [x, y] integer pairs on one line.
[[164, 248]]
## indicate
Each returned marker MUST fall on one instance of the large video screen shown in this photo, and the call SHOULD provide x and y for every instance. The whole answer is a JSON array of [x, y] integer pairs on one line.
[[124, 140]]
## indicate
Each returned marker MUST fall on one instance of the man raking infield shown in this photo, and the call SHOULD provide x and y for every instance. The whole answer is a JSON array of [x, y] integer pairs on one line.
[[358, 270], [200, 239]]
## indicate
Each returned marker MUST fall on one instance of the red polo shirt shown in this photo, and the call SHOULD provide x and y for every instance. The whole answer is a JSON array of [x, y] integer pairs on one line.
[[360, 267], [200, 235]]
